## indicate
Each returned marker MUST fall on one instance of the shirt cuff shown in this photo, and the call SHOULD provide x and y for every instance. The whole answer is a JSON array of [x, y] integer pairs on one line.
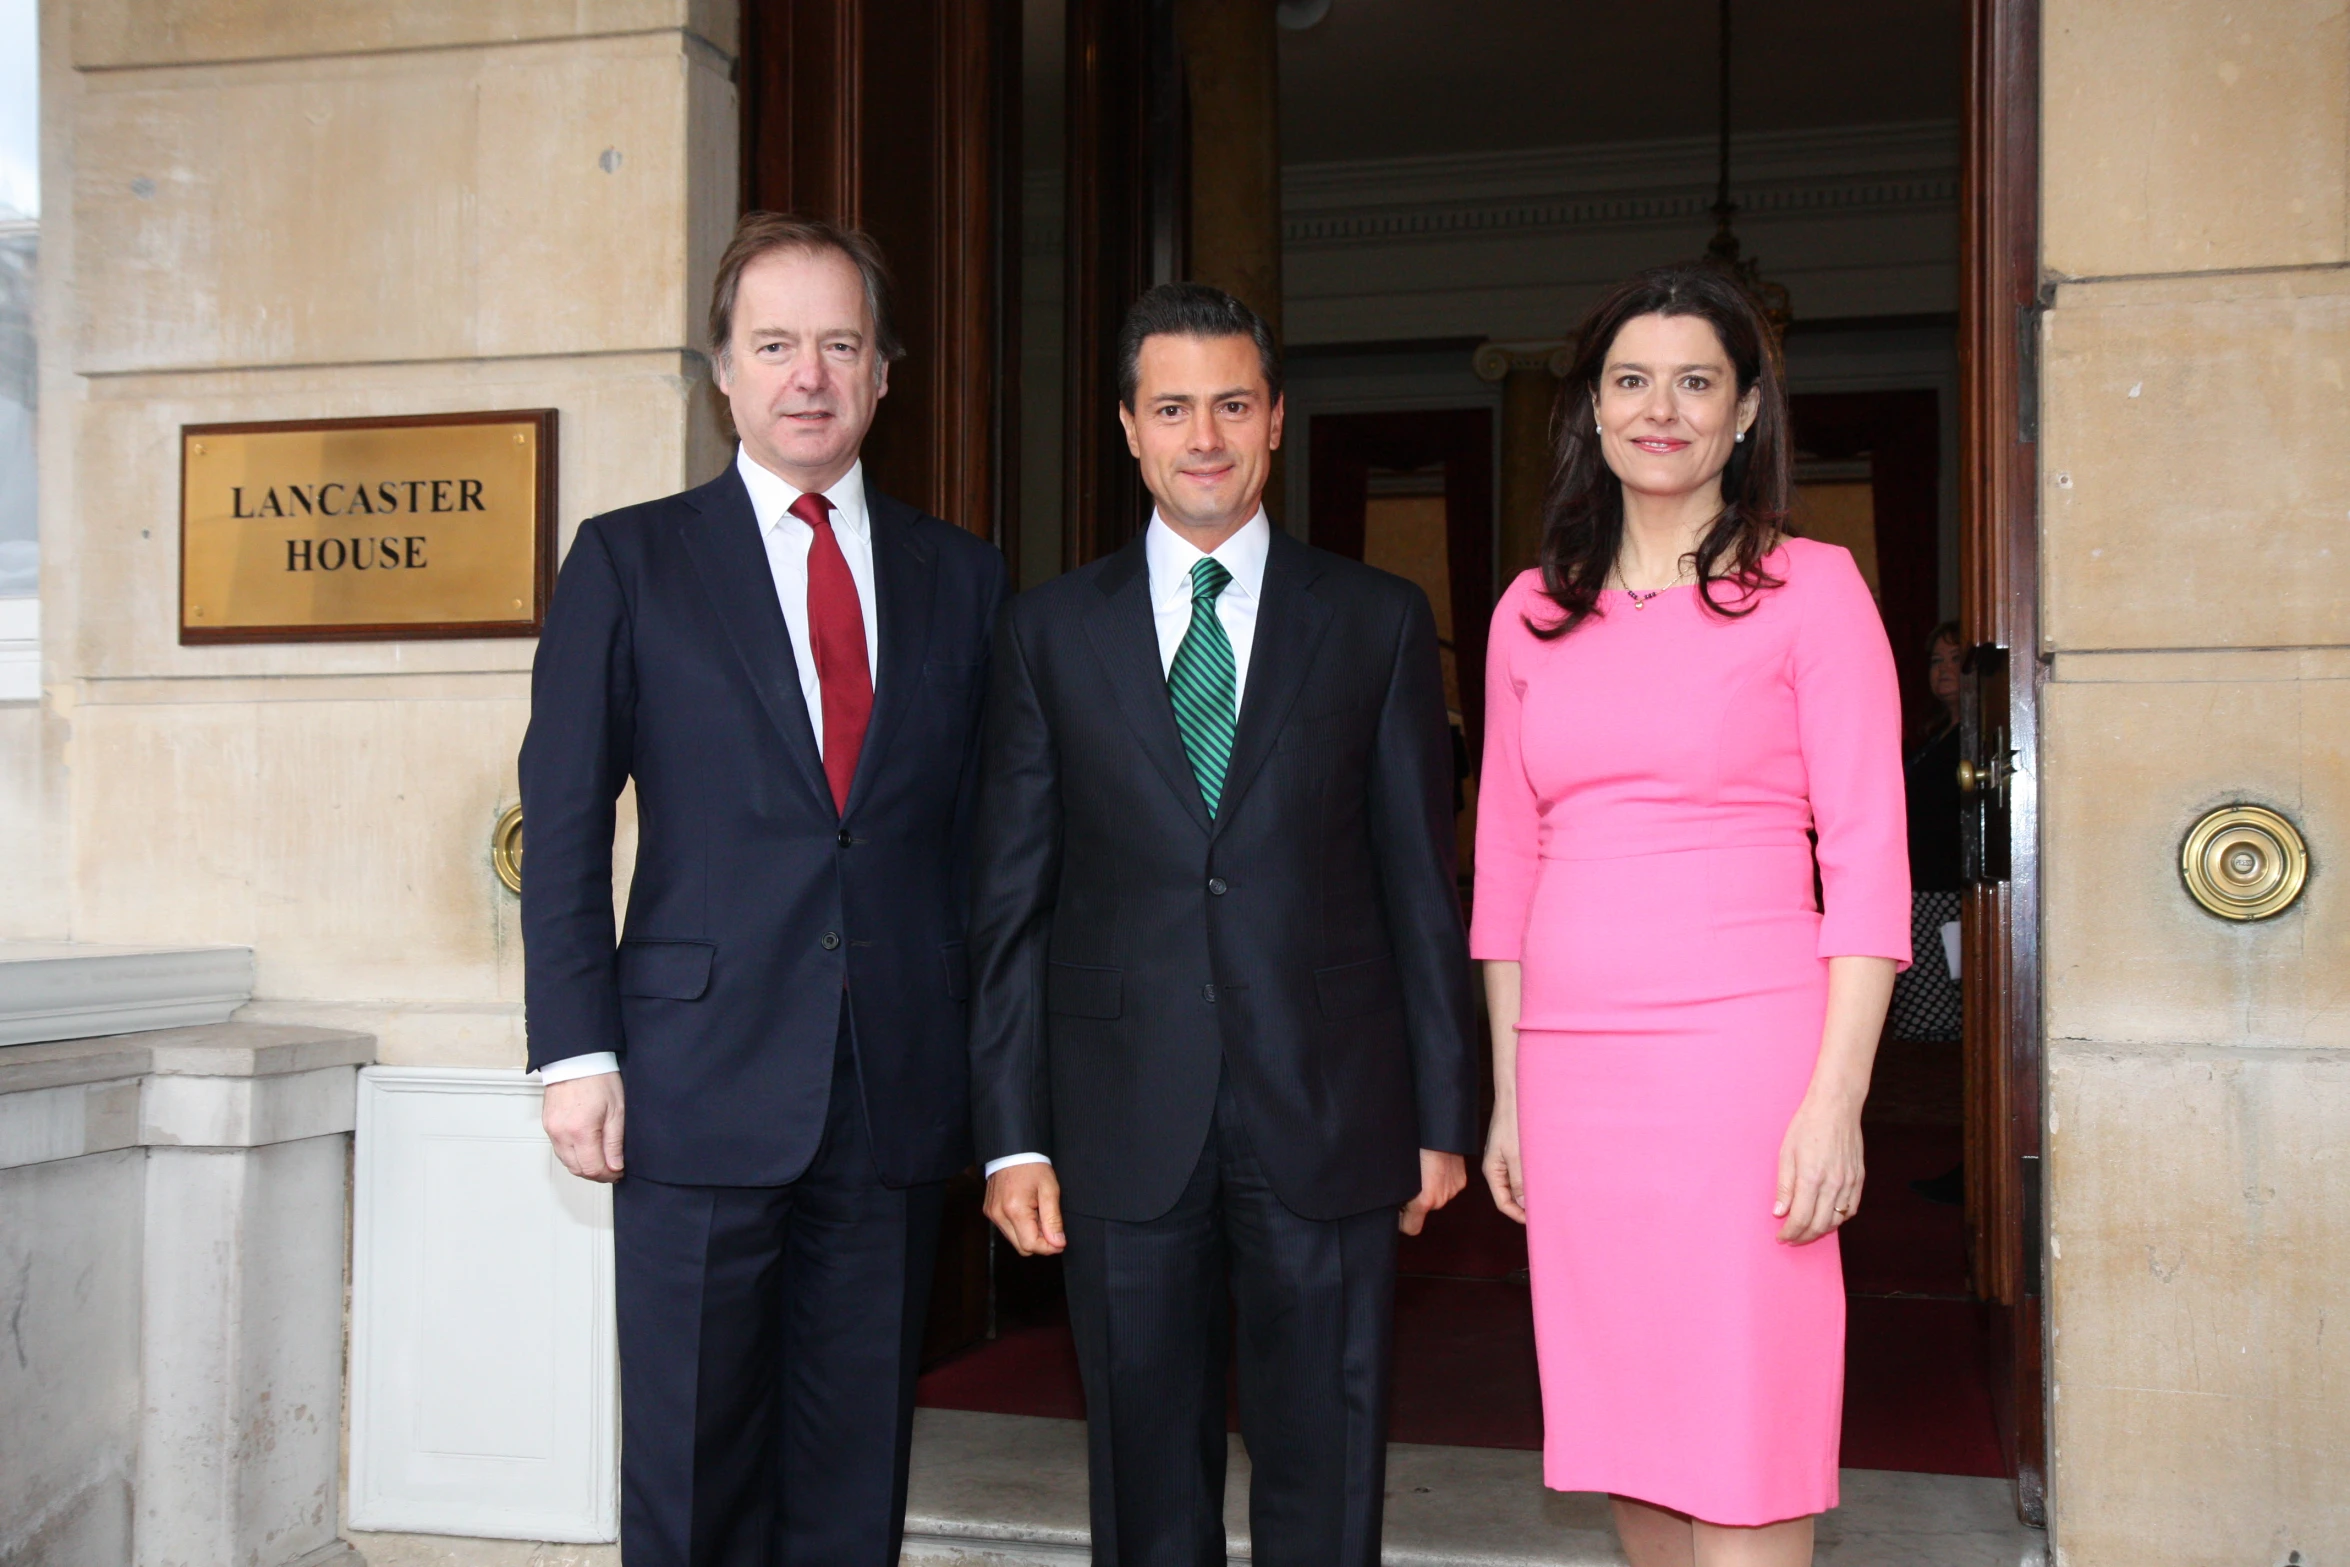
[[1010, 1159], [593, 1064]]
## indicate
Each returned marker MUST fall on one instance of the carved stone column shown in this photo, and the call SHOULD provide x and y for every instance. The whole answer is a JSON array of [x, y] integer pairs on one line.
[[1529, 375]]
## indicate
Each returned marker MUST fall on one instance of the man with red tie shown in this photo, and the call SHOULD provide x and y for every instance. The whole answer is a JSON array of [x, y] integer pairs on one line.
[[769, 1062]]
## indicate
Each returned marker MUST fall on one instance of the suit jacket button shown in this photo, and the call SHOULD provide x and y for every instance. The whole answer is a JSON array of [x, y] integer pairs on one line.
[[1216, 886], [831, 940], [1207, 993], [844, 840]]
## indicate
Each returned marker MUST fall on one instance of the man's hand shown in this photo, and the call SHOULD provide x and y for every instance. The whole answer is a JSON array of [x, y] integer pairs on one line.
[[1443, 1176], [1024, 1200], [583, 1116]]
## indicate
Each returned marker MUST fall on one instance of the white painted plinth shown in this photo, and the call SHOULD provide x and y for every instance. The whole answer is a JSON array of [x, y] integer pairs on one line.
[[484, 1370], [81, 990]]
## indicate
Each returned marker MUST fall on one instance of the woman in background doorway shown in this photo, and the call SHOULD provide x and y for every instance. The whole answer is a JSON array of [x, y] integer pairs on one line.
[[1676, 701], [1926, 1001]]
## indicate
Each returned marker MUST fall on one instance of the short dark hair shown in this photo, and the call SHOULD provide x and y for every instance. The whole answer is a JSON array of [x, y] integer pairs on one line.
[[759, 234], [1191, 310]]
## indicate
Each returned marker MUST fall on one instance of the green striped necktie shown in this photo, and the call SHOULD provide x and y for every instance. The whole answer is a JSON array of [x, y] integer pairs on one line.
[[1202, 684]]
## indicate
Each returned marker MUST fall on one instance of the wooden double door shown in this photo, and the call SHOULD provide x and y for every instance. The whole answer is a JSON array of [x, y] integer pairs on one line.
[[903, 116]]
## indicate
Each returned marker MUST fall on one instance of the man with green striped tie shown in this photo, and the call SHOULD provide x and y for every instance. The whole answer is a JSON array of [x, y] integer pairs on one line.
[[1223, 1048]]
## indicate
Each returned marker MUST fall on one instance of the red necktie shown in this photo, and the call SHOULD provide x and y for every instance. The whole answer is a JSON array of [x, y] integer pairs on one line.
[[836, 635]]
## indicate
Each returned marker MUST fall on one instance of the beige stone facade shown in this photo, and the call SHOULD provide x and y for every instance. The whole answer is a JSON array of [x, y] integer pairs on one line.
[[277, 211], [308, 208], [2195, 475]]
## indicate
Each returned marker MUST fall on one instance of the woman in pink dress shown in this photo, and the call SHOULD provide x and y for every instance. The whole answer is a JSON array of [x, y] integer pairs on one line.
[[1690, 714]]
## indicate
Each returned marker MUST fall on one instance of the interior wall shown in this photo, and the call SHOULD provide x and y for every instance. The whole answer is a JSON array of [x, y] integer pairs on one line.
[[1399, 267], [1517, 244], [2196, 224], [263, 212]]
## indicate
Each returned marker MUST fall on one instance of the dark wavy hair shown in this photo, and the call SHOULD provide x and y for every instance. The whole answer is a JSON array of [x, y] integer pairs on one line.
[[1583, 510]]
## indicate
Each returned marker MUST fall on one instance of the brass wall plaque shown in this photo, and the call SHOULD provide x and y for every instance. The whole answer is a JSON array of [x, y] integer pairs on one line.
[[339, 530]]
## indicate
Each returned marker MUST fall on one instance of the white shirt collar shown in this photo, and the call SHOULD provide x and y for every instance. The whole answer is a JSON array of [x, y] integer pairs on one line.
[[772, 497], [1170, 557]]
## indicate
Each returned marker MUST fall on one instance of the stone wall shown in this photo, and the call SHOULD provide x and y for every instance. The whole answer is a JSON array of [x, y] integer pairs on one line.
[[262, 210], [2196, 596]]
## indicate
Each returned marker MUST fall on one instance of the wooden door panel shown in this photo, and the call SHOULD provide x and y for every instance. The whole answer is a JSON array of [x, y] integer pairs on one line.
[[1126, 183], [893, 116], [1999, 310], [896, 116]]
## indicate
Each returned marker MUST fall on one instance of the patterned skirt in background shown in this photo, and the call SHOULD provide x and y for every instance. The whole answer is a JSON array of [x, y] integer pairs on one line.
[[1925, 995]]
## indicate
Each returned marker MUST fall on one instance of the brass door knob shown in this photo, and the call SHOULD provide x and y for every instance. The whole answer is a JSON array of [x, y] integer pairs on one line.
[[1989, 778], [506, 849], [2244, 862]]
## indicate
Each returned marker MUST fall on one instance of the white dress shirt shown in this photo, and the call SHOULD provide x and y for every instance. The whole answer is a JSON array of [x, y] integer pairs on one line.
[[1169, 557], [788, 540]]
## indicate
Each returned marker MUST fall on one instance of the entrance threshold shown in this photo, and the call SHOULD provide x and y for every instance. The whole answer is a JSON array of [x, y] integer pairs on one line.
[[1009, 1491]]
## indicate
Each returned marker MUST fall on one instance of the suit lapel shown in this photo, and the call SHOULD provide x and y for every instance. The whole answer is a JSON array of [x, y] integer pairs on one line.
[[1126, 640], [1290, 623], [731, 560], [904, 577]]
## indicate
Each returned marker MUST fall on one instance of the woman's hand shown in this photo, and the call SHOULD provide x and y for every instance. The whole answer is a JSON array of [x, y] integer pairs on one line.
[[1820, 1164], [1821, 1171], [1504, 1171]]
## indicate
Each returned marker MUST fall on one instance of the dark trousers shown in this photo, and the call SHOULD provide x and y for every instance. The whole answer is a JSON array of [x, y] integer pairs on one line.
[[1153, 1305], [769, 1338]]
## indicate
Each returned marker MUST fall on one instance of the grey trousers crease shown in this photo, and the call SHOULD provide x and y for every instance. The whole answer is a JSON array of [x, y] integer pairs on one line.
[[1155, 1307]]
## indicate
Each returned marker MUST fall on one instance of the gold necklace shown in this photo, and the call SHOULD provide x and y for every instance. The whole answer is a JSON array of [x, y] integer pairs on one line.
[[1641, 596]]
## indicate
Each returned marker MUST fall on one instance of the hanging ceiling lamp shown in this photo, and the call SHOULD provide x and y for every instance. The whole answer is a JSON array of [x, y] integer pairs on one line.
[[1721, 252]]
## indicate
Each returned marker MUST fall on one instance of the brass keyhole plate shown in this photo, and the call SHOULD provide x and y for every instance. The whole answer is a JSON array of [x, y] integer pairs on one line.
[[506, 849], [2244, 862]]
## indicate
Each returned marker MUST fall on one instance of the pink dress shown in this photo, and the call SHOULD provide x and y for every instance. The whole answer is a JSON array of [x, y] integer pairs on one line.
[[1642, 817]]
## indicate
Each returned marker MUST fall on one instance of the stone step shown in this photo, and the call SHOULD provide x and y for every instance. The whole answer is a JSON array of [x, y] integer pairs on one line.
[[83, 990], [1009, 1491]]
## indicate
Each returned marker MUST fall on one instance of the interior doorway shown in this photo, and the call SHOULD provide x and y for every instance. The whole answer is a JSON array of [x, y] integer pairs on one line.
[[1028, 164]]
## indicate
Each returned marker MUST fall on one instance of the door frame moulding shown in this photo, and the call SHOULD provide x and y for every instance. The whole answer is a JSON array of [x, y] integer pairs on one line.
[[2001, 304]]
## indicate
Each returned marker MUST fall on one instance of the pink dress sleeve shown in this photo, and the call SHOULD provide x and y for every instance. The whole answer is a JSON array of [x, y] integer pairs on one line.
[[1509, 824], [1848, 724]]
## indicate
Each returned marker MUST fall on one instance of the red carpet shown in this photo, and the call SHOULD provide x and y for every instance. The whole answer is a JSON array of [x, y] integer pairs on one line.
[[1917, 1388]]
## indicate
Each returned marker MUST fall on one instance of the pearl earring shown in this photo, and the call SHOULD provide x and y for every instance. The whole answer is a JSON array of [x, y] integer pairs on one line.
[[1740, 436], [1598, 429]]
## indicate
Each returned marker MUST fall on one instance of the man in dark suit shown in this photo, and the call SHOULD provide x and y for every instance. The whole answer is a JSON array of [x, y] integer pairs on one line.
[[789, 664], [1222, 1013]]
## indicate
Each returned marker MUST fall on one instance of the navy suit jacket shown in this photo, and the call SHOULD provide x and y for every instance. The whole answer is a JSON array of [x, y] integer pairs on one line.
[[1131, 951], [757, 911]]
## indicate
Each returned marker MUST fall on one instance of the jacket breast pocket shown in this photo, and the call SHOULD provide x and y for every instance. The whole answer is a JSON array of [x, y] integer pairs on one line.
[[1077, 990], [669, 970], [956, 956], [1357, 989]]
